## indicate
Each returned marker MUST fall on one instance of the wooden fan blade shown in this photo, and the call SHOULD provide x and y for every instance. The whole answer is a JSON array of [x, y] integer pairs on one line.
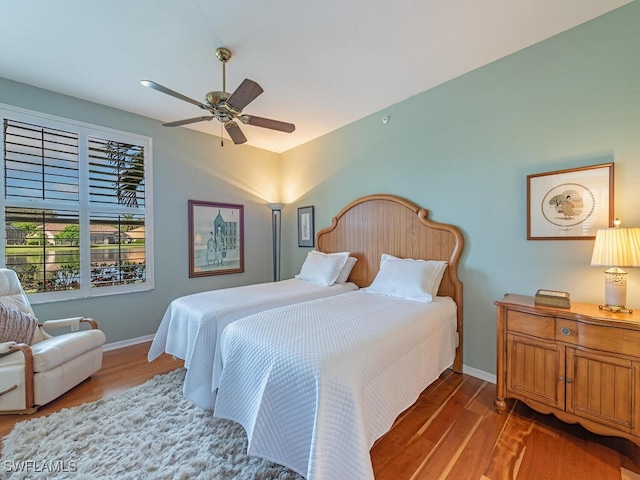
[[187, 121], [168, 91], [246, 93], [235, 133], [267, 123]]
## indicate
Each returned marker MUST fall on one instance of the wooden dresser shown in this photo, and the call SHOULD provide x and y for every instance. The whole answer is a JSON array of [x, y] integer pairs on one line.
[[581, 364]]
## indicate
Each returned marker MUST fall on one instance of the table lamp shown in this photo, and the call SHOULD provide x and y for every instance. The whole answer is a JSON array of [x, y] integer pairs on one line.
[[616, 247]]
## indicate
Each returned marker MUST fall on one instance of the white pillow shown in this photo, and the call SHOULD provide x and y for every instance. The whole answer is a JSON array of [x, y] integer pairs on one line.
[[346, 270], [408, 278], [322, 268]]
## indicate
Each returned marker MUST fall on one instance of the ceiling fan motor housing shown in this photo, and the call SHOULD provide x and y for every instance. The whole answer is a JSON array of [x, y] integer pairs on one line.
[[216, 103], [212, 99], [224, 112]]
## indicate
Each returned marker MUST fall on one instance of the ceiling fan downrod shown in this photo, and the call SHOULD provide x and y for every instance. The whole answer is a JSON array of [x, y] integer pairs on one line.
[[224, 55]]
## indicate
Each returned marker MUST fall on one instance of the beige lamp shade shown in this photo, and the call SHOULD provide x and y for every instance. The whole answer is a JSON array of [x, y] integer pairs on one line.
[[617, 247]]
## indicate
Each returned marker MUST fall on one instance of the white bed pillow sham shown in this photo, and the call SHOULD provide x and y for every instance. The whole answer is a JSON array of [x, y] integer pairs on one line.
[[408, 278], [322, 268], [346, 270]]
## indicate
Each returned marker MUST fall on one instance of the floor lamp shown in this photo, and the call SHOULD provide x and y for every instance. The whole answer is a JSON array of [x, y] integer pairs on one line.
[[276, 228]]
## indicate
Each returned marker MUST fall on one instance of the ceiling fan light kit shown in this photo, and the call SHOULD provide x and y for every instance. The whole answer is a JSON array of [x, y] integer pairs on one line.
[[226, 107]]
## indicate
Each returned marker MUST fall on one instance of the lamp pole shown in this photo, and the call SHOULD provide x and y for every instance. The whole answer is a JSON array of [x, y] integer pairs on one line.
[[276, 230]]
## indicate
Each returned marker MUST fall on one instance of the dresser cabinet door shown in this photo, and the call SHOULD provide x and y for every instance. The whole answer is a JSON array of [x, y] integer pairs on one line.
[[601, 388], [535, 370]]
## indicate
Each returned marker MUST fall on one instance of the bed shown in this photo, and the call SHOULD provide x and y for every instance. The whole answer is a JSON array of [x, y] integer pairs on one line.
[[191, 326], [316, 383]]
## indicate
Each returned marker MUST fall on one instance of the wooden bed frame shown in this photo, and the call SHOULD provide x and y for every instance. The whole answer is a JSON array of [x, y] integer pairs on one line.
[[377, 224]]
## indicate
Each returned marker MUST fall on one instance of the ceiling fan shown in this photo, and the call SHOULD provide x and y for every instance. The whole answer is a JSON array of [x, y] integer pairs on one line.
[[226, 107]]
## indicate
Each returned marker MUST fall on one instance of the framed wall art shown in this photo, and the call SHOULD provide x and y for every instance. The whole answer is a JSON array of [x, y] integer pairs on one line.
[[306, 231], [216, 238], [570, 204]]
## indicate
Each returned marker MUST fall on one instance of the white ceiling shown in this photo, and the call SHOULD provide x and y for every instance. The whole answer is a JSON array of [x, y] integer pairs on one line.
[[322, 64]]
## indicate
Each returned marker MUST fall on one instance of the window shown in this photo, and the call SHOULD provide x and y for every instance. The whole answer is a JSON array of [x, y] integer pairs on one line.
[[76, 207]]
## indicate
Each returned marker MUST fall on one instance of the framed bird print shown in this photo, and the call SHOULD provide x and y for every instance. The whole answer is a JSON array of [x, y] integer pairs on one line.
[[570, 204]]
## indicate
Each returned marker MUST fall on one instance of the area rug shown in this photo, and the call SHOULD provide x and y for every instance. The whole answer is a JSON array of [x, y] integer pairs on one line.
[[148, 432]]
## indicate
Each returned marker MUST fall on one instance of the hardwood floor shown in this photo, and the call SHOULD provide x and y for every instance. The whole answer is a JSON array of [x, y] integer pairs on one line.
[[451, 432]]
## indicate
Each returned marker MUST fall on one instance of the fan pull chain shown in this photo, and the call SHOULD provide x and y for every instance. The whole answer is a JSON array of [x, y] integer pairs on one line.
[[221, 137]]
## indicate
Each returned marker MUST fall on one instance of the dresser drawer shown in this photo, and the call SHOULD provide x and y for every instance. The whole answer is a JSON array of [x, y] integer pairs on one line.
[[609, 339], [566, 331], [529, 324]]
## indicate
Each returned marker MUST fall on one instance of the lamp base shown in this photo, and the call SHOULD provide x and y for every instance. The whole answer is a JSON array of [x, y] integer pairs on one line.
[[615, 291], [615, 309]]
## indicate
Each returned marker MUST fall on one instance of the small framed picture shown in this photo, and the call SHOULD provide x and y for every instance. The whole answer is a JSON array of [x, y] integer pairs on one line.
[[306, 231], [216, 238], [570, 204]]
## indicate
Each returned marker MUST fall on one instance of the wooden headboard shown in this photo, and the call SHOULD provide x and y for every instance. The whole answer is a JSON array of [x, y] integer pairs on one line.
[[377, 224]]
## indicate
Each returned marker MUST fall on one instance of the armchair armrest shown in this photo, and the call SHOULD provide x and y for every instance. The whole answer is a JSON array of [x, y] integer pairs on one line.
[[90, 321], [70, 322], [28, 370], [5, 347], [63, 322]]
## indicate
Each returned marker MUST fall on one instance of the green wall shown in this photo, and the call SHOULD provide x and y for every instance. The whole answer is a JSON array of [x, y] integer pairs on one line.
[[463, 151], [186, 165]]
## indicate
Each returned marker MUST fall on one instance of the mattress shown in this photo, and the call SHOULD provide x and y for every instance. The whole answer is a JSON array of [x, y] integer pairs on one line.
[[316, 383], [191, 326]]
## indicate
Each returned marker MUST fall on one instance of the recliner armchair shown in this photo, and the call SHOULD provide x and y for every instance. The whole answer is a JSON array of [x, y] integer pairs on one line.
[[31, 375]]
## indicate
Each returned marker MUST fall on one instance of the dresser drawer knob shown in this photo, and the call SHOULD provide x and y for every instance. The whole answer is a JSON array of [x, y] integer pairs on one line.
[[565, 331]]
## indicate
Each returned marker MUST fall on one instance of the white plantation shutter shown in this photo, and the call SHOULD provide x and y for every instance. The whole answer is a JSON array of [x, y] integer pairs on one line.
[[116, 174], [77, 207], [40, 163]]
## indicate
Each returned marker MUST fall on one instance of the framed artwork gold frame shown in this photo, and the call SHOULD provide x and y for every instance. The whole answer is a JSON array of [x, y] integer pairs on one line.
[[570, 204]]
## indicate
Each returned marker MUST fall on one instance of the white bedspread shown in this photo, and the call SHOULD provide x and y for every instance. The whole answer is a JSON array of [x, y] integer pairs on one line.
[[191, 327], [316, 383]]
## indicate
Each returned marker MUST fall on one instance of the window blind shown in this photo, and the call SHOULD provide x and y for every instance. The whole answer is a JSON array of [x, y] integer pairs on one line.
[[76, 209]]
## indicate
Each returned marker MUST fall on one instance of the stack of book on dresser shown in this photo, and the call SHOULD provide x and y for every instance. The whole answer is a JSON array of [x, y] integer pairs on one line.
[[552, 298]]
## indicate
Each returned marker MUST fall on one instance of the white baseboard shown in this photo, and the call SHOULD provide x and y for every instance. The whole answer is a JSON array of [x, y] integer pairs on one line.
[[481, 374], [127, 343]]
